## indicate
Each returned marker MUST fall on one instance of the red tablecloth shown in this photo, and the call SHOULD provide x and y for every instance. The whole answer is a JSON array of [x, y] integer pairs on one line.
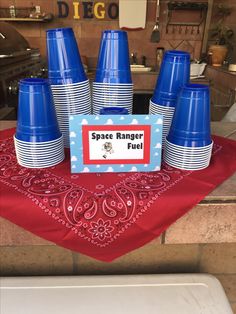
[[104, 215]]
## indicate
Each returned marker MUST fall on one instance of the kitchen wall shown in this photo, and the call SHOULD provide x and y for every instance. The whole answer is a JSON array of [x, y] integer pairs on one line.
[[230, 22], [88, 32]]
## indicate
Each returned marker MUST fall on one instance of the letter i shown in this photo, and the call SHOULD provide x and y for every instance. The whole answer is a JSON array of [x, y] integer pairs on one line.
[[76, 10]]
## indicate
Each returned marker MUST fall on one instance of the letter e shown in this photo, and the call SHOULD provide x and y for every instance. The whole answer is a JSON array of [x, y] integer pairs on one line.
[[88, 12]]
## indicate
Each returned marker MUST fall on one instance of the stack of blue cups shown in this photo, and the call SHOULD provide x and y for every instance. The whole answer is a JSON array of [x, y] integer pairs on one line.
[[174, 74], [38, 140], [113, 84], [69, 84], [189, 145]]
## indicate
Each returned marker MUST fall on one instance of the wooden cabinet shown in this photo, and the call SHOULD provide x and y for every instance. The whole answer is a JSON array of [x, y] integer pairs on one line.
[[223, 90]]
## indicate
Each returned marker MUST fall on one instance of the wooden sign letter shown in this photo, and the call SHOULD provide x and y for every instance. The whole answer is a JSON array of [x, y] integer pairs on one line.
[[76, 10], [88, 10], [99, 10], [63, 9]]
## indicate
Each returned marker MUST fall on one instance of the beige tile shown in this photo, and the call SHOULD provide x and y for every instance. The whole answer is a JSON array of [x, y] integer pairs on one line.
[[218, 258], [225, 191], [233, 136], [152, 258], [205, 224], [226, 128], [7, 125], [35, 260], [229, 284], [233, 306], [12, 235]]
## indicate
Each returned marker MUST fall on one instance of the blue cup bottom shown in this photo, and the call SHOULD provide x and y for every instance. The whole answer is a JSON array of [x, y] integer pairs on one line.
[[114, 77], [166, 102], [37, 137], [189, 142], [159, 95], [61, 79], [113, 80]]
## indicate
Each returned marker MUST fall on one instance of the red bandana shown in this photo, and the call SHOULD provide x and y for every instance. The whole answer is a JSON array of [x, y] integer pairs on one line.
[[104, 215]]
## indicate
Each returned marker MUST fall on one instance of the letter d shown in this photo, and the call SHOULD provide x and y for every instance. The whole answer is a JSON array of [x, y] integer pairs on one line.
[[62, 5]]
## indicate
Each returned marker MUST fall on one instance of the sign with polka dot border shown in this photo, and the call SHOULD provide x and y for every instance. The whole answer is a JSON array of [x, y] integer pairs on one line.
[[115, 143]]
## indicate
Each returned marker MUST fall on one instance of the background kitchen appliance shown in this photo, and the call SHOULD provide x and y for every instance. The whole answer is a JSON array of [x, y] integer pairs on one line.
[[17, 60]]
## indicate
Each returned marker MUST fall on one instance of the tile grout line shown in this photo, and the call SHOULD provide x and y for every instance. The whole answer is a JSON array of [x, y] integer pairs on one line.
[[230, 134], [199, 257], [163, 237], [75, 261]]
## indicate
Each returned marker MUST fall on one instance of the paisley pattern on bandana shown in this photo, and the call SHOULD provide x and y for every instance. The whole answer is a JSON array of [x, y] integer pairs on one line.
[[99, 215]]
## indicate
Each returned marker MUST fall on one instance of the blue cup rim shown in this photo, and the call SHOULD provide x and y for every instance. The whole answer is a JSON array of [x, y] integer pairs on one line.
[[114, 31], [196, 87], [34, 81], [58, 29], [60, 32], [177, 53]]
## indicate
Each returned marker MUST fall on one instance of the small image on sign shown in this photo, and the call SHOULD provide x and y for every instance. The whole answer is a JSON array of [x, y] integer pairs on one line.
[[115, 143], [107, 147]]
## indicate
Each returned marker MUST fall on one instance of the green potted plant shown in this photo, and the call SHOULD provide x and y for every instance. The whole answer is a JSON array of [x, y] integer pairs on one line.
[[222, 35]]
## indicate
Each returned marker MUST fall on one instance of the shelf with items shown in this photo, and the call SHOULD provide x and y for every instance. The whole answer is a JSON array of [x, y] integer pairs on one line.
[[175, 19], [28, 14], [25, 20]]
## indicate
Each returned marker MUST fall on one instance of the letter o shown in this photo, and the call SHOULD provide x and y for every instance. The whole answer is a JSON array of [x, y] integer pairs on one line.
[[113, 7]]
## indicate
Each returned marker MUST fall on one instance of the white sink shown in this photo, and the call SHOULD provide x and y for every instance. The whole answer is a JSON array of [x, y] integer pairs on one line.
[[197, 69], [139, 294]]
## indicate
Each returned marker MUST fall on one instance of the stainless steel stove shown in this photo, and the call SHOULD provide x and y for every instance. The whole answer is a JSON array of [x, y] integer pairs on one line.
[[17, 61]]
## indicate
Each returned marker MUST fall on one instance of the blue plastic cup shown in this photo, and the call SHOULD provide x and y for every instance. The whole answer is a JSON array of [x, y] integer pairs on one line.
[[113, 61], [191, 122], [113, 111], [64, 62], [174, 74], [37, 121]]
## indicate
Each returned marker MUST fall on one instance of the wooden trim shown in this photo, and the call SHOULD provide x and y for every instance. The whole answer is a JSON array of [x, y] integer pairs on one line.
[[207, 26], [18, 19]]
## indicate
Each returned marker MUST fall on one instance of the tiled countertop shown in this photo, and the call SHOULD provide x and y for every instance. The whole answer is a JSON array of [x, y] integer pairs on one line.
[[213, 220]]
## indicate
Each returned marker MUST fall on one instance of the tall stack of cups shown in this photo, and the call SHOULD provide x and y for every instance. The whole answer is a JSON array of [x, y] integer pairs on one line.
[[189, 144], [38, 140], [69, 84], [113, 84], [174, 74]]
